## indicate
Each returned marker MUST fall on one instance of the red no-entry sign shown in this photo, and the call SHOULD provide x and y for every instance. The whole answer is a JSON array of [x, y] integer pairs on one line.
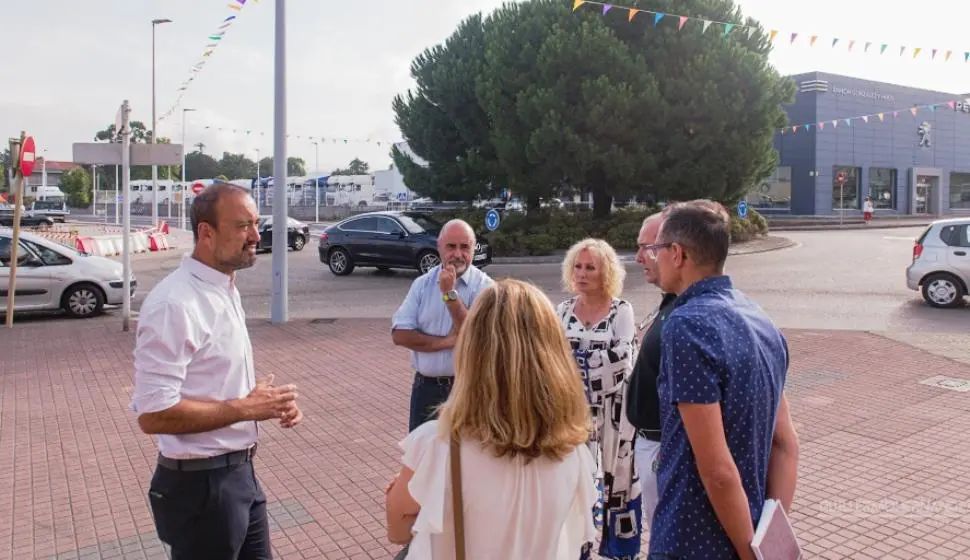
[[197, 188], [28, 155]]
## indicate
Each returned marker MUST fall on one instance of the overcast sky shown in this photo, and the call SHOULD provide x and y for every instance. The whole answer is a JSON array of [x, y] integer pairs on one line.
[[346, 61]]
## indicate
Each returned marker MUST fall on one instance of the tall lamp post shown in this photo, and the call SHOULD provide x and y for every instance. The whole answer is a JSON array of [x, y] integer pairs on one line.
[[183, 191], [258, 184], [155, 23], [316, 181], [279, 308]]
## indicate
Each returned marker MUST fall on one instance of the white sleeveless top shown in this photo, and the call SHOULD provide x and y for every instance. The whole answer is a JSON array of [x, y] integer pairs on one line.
[[542, 510]]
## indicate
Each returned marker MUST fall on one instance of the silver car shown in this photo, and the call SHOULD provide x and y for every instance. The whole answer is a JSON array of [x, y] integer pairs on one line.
[[941, 263], [51, 276]]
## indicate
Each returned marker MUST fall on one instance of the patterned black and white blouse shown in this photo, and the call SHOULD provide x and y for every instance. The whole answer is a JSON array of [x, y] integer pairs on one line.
[[605, 354]]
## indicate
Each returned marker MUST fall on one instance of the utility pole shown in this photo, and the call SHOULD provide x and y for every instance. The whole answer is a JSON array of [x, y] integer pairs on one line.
[[280, 301], [15, 147], [126, 221]]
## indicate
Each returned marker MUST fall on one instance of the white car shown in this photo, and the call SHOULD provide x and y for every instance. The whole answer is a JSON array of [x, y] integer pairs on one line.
[[51, 276], [941, 263]]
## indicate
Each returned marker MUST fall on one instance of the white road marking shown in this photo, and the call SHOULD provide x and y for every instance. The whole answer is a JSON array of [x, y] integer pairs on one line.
[[900, 238]]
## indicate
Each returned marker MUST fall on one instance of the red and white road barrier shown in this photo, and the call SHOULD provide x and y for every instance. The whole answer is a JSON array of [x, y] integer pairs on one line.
[[158, 242]]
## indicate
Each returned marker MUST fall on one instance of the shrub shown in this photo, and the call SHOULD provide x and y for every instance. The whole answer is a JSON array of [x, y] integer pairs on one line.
[[547, 231]]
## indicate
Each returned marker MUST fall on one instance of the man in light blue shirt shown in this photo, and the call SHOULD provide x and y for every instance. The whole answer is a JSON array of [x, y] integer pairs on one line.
[[429, 319]]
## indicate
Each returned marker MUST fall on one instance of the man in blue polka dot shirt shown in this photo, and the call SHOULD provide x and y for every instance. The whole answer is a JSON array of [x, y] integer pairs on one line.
[[727, 442]]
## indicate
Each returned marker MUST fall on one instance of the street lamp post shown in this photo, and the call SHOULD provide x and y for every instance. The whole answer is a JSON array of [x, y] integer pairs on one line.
[[155, 23], [279, 311], [259, 206], [316, 182], [183, 191]]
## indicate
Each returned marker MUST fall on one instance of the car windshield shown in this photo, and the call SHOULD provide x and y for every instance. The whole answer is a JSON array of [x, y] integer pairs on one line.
[[48, 205], [419, 223]]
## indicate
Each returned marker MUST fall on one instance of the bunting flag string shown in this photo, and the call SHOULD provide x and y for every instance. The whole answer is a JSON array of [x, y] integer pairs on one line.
[[931, 54], [214, 40], [320, 139], [956, 104]]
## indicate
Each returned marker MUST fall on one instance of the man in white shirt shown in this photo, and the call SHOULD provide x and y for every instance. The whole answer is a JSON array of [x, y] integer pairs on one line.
[[196, 390]]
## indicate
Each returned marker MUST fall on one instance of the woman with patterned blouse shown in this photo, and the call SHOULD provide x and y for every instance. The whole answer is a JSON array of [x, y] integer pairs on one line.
[[601, 330]]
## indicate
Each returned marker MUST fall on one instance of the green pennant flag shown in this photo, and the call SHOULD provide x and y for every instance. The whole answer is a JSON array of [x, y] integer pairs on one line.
[[727, 28]]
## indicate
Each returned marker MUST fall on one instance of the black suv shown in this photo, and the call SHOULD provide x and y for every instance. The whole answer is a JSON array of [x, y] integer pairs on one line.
[[297, 233], [26, 219], [387, 240]]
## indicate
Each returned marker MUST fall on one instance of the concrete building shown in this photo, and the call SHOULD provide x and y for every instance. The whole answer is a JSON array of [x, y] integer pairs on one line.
[[909, 163]]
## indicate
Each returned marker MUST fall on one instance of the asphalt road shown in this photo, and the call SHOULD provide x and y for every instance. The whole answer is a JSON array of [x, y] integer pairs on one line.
[[851, 280]]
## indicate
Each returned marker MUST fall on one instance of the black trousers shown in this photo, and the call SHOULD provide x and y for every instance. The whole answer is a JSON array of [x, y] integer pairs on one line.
[[427, 393], [217, 514]]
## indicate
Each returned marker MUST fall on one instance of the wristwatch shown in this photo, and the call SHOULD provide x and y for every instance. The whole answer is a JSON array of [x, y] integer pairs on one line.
[[452, 295]]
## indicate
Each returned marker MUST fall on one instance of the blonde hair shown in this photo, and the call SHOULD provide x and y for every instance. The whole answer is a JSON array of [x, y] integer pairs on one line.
[[609, 264], [517, 388]]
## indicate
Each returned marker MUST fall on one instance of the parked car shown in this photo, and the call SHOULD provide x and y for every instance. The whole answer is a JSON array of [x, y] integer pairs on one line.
[[386, 240], [941, 263], [297, 233], [26, 219], [51, 276]]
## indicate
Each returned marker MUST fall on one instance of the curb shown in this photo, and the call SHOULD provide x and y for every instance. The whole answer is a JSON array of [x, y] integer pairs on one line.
[[849, 226], [556, 258]]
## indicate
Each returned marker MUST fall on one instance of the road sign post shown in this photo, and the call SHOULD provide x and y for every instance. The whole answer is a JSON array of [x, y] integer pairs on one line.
[[23, 152], [840, 179], [742, 209], [126, 154], [492, 219]]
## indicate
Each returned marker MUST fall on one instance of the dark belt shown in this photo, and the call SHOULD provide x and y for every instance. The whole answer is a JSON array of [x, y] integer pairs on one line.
[[443, 380], [209, 463], [652, 435]]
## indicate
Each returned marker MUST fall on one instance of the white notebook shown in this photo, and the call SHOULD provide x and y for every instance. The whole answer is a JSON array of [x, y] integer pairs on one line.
[[774, 538]]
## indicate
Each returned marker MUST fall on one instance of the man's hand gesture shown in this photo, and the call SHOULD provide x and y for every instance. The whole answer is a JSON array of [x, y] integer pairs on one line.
[[447, 278], [266, 402]]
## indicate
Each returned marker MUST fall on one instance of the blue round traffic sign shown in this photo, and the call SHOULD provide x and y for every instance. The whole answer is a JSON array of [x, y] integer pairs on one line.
[[492, 219], [743, 209]]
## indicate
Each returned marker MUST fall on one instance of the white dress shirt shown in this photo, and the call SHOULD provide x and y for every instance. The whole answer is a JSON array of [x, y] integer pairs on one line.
[[192, 342]]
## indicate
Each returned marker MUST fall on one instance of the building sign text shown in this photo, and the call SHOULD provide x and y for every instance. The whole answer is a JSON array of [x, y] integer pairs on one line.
[[868, 93]]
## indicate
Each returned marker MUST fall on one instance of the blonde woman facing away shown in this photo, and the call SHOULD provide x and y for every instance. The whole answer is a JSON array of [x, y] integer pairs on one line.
[[518, 410], [601, 332]]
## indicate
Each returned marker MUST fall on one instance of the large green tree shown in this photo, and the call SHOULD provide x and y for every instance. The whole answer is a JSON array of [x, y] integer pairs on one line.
[[444, 123], [582, 102], [356, 167], [77, 187]]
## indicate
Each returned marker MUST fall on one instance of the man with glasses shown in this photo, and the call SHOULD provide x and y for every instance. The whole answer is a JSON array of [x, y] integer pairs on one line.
[[643, 407], [728, 442]]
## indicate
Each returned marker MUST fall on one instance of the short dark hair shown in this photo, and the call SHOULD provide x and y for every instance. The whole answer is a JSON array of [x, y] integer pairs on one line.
[[204, 207], [702, 228]]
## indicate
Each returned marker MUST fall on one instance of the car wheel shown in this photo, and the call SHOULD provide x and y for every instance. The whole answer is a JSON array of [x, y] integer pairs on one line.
[[943, 291], [83, 300], [340, 262], [428, 260], [298, 243]]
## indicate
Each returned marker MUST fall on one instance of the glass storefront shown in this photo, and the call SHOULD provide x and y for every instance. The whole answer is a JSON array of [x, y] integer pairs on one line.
[[959, 190], [845, 196], [882, 187], [774, 192]]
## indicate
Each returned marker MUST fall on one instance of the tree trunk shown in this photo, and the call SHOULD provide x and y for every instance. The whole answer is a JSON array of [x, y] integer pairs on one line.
[[602, 204]]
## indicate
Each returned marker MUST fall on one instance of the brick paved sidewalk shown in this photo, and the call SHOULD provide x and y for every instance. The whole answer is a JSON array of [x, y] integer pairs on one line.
[[884, 469]]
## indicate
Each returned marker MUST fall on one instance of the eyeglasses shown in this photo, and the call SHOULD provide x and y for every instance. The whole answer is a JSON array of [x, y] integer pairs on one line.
[[653, 250]]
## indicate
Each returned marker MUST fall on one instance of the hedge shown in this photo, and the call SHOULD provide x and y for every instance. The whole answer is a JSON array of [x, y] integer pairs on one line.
[[548, 231]]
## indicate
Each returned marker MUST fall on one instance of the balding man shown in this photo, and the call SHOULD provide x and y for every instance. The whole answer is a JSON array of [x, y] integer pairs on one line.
[[643, 406], [429, 319]]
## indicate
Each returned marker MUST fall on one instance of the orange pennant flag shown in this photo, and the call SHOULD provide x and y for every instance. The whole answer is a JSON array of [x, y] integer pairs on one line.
[[577, 4], [881, 117], [633, 13], [772, 37], [916, 51], [812, 42], [948, 53]]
